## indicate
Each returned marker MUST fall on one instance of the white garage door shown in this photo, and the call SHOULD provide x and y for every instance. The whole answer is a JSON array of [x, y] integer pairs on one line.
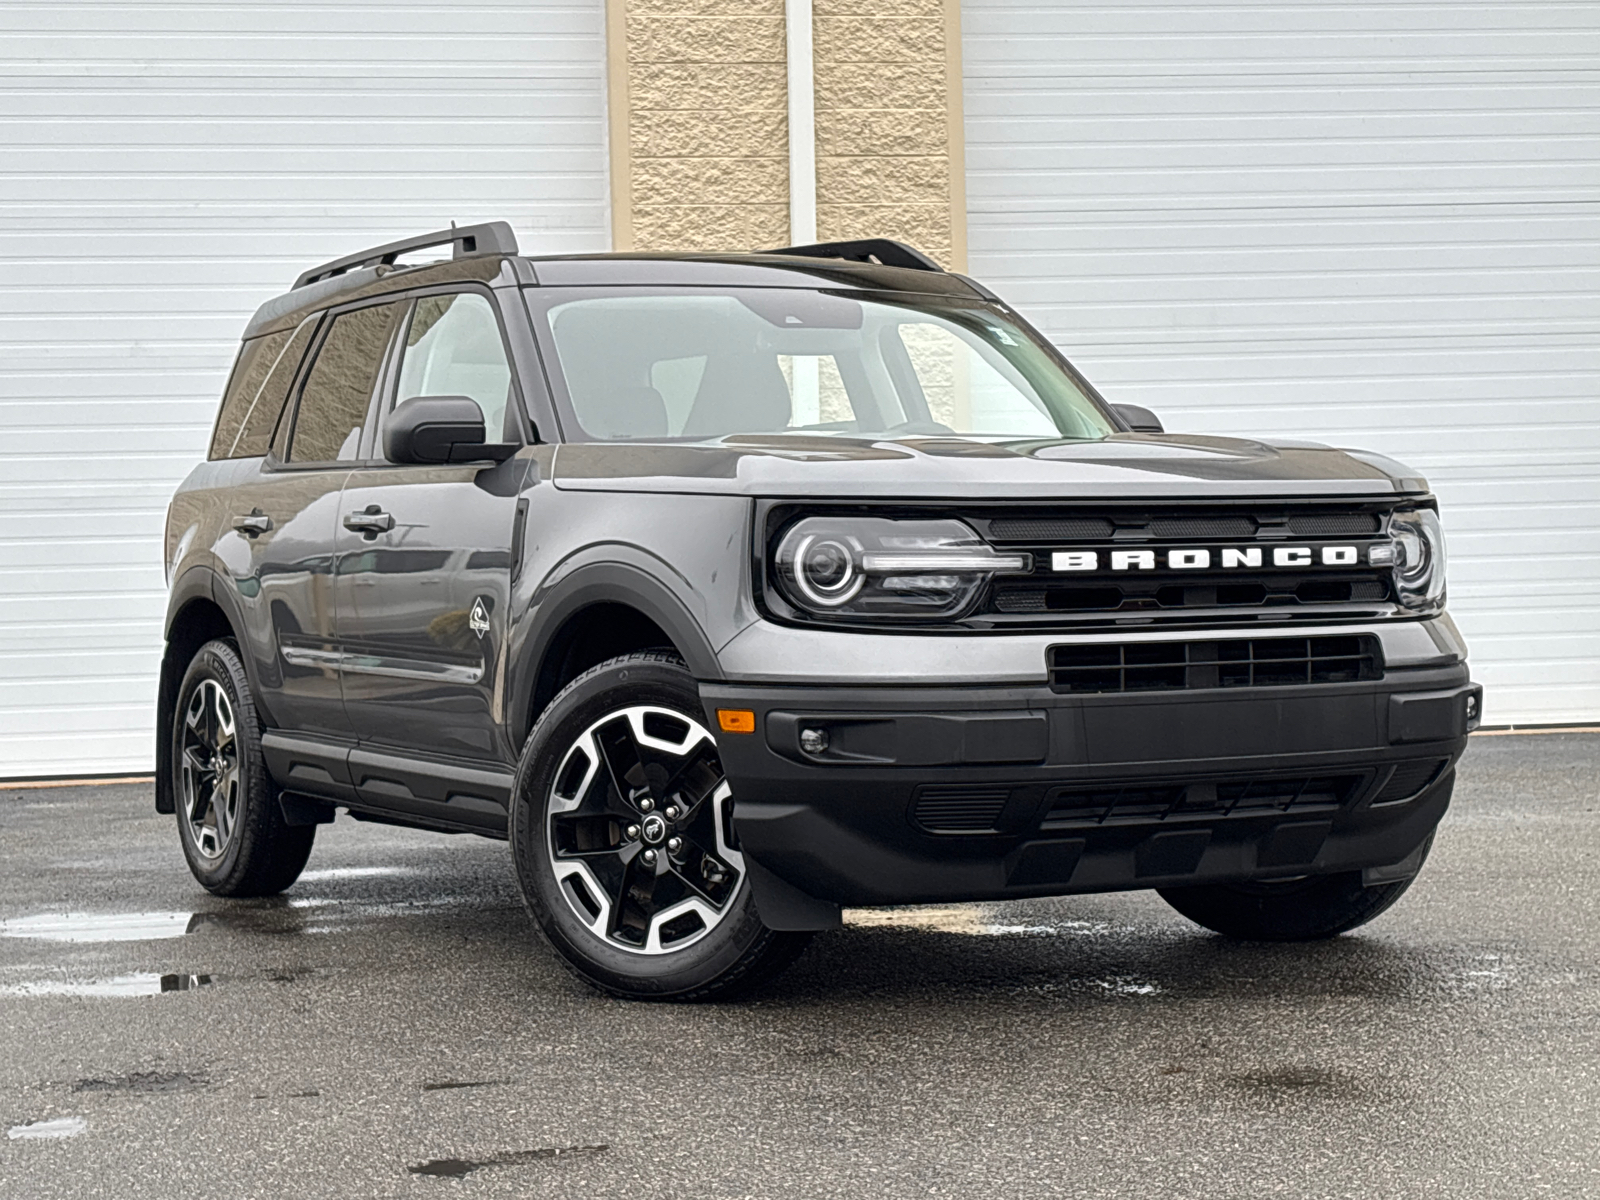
[[165, 168], [1367, 224]]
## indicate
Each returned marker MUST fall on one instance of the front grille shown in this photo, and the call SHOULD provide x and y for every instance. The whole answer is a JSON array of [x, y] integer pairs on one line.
[[1213, 798], [1049, 529], [1289, 590], [1210, 562], [957, 808], [1408, 779], [1241, 662], [1137, 525]]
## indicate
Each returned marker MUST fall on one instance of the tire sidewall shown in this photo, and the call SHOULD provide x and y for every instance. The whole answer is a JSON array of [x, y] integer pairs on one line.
[[653, 679], [218, 661]]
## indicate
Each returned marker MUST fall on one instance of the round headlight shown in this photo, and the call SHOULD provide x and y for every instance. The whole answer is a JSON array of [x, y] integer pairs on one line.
[[1414, 556], [825, 571], [888, 569], [1420, 558]]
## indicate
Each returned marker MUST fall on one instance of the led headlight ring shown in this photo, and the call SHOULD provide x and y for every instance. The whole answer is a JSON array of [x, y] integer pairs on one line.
[[825, 571]]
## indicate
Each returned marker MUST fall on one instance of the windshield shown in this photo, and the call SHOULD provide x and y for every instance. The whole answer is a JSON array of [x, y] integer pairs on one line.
[[701, 364]]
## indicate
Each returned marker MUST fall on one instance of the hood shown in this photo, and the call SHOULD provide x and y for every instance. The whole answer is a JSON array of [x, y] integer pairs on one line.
[[1125, 465]]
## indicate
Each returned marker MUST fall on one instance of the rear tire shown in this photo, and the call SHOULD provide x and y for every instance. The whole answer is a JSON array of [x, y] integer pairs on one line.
[[229, 823], [623, 844], [1296, 910]]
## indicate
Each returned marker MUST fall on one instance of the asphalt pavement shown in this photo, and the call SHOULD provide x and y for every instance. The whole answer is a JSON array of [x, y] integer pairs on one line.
[[393, 1026]]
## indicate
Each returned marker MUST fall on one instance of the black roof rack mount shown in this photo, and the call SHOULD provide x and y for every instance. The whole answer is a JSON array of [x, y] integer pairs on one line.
[[866, 250], [493, 237]]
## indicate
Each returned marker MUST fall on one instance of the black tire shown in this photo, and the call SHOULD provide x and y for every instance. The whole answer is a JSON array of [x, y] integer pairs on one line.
[[257, 853], [608, 908], [1296, 910]]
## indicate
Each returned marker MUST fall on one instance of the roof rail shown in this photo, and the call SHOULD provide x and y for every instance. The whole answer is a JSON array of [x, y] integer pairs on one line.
[[866, 250], [493, 237]]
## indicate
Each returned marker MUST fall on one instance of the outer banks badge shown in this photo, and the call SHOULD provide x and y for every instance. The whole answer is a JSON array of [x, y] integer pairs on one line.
[[478, 618]]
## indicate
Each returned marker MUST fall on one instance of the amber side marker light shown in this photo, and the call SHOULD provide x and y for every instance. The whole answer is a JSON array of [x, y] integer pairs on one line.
[[736, 720]]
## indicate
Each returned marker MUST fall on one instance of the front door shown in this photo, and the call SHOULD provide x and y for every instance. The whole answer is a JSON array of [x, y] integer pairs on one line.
[[423, 571]]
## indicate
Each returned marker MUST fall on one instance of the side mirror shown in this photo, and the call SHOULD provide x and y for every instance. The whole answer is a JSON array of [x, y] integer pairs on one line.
[[440, 429], [1140, 420]]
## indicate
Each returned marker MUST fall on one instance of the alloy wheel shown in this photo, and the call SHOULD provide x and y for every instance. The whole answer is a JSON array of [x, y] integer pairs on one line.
[[639, 833], [210, 774]]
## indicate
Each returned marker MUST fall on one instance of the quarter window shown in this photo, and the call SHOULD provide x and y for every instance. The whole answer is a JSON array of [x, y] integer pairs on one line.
[[453, 348], [257, 391], [337, 392]]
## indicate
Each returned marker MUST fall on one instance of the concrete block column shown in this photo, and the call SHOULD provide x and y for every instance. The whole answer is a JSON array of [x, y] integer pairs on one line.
[[699, 100]]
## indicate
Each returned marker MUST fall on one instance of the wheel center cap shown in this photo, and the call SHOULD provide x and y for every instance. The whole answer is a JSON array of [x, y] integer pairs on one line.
[[654, 829]]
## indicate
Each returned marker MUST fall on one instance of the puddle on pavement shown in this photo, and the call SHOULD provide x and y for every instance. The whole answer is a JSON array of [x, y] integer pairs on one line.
[[460, 1168], [55, 1127], [98, 927], [1126, 985], [325, 874], [971, 919], [285, 916], [142, 983]]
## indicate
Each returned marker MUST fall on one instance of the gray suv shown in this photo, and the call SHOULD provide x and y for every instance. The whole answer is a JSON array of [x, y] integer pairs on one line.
[[733, 589]]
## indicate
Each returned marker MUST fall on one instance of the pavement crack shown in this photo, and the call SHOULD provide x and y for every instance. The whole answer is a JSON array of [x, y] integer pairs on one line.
[[144, 1082]]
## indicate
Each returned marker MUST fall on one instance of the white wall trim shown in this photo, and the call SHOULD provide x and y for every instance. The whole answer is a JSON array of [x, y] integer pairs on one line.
[[802, 124]]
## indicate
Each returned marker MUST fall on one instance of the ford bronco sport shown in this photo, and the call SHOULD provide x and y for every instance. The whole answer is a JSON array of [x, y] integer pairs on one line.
[[732, 589]]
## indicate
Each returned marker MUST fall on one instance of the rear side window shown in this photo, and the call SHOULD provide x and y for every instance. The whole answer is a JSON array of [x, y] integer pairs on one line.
[[257, 390], [338, 390]]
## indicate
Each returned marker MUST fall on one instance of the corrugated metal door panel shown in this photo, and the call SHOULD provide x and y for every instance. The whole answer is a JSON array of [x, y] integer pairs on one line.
[[166, 169], [1368, 224]]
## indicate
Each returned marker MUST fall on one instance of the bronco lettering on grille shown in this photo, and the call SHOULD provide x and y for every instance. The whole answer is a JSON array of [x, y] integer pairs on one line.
[[1225, 558]]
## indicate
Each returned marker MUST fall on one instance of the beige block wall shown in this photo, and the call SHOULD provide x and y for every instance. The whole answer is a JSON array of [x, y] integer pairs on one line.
[[699, 124], [700, 145], [888, 124]]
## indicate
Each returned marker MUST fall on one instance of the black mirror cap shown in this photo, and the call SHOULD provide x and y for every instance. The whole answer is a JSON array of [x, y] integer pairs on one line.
[[440, 429], [1138, 419]]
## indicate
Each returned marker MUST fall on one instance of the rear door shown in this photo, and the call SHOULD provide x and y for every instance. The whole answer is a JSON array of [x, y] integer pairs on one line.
[[285, 515], [424, 576]]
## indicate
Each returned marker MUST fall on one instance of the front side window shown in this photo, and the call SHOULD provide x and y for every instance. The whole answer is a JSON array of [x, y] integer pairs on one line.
[[453, 348], [338, 390], [698, 363]]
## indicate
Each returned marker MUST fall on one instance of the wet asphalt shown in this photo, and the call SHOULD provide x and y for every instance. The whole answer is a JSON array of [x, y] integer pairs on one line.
[[394, 1027]]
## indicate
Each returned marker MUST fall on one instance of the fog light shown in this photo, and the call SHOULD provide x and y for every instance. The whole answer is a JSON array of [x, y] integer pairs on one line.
[[814, 741]]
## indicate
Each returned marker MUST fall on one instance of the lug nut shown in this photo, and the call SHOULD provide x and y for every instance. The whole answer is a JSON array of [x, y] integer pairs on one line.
[[673, 812], [649, 856], [646, 804], [633, 833], [674, 844]]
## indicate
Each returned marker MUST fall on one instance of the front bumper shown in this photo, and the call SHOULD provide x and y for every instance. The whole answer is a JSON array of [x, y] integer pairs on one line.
[[973, 793]]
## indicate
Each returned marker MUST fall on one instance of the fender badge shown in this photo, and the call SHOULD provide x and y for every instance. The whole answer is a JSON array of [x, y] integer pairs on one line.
[[478, 619]]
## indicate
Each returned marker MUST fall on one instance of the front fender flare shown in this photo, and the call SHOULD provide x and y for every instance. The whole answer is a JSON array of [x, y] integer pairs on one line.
[[605, 583]]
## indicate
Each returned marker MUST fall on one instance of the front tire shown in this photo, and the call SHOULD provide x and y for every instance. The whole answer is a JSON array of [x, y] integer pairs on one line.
[[622, 832], [229, 823], [1297, 910]]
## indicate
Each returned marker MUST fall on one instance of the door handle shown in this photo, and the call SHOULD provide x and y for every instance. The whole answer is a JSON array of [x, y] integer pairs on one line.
[[370, 521], [253, 523]]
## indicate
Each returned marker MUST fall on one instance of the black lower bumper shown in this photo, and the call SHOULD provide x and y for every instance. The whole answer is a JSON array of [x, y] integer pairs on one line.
[[866, 796]]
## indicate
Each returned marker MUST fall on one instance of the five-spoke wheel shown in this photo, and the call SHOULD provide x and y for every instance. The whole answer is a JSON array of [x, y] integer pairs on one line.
[[622, 825], [209, 769], [639, 830]]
